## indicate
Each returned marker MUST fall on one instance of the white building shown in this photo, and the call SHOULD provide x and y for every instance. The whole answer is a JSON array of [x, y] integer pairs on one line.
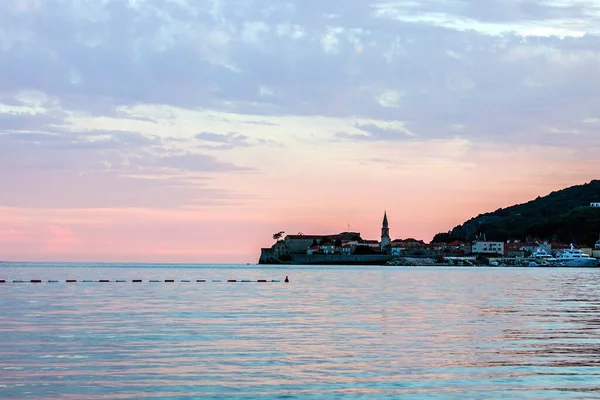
[[488, 247], [328, 248], [595, 205]]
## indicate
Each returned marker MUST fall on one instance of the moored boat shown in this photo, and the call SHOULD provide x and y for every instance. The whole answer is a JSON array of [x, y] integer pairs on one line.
[[575, 258], [542, 257]]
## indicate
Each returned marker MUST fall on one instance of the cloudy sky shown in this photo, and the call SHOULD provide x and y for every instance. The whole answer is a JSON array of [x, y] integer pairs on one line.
[[192, 130]]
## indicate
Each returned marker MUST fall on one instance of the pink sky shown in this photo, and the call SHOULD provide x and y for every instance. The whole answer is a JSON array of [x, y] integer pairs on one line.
[[197, 132]]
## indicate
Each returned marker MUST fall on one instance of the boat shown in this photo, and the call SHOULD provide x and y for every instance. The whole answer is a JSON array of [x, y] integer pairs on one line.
[[541, 256], [575, 258]]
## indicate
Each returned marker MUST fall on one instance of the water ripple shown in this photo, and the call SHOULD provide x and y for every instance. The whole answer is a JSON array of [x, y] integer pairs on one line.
[[435, 333]]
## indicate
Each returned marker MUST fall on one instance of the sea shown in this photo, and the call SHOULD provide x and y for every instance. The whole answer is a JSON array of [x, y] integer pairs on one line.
[[329, 333]]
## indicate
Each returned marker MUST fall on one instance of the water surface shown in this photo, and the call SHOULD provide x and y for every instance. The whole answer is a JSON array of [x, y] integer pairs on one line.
[[339, 332]]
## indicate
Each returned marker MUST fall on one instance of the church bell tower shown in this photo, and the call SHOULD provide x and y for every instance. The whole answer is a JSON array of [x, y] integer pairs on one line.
[[385, 233]]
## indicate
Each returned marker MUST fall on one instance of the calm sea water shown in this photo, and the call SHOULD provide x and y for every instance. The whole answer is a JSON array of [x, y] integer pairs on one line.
[[343, 332]]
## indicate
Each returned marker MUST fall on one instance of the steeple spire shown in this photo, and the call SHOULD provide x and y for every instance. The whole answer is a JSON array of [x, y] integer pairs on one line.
[[385, 233]]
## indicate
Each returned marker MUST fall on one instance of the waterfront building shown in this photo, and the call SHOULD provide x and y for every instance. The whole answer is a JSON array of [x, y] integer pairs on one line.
[[328, 248], [557, 248], [488, 247], [514, 249], [409, 243], [374, 244], [396, 251], [595, 205], [348, 248], [313, 249]]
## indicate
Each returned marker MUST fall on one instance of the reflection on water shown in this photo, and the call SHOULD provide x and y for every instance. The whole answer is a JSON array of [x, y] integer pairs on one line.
[[351, 332]]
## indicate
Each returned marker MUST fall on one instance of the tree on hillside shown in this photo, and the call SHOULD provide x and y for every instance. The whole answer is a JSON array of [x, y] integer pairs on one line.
[[277, 236], [326, 240], [562, 215]]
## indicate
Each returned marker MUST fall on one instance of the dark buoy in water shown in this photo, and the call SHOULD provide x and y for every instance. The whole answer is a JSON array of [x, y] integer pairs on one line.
[[286, 279]]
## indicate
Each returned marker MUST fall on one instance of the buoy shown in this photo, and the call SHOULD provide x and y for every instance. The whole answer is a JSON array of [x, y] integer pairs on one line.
[[287, 279]]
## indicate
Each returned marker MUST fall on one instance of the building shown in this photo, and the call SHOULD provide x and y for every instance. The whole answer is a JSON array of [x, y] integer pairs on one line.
[[514, 249], [595, 205], [385, 234], [396, 251], [488, 247], [313, 249], [347, 249], [374, 244], [557, 248], [299, 244], [409, 243]]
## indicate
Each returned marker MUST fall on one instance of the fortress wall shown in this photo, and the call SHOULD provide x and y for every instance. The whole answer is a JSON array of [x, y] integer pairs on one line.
[[339, 259]]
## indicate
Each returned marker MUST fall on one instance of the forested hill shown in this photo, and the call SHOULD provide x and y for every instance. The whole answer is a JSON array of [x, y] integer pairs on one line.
[[563, 216]]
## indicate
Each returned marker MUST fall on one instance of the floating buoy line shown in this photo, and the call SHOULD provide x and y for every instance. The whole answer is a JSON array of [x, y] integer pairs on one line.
[[142, 281]]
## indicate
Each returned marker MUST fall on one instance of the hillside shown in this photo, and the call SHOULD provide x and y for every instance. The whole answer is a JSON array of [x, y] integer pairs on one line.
[[563, 216]]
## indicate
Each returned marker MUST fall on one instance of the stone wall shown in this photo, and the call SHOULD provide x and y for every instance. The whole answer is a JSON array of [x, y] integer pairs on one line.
[[298, 246], [340, 259]]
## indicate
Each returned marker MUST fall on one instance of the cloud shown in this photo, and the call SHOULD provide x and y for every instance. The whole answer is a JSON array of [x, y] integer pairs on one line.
[[229, 141], [377, 132], [406, 71], [98, 168], [225, 141]]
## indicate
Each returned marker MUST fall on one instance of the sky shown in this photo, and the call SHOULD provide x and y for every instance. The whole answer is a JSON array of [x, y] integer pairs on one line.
[[192, 130]]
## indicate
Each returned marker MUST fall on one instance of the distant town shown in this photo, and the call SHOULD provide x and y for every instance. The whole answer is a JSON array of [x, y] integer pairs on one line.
[[347, 248]]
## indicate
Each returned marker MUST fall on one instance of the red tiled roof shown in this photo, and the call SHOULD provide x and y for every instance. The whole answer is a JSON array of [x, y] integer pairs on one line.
[[409, 240]]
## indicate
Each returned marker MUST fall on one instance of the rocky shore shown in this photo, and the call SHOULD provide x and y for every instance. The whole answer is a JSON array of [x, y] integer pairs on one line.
[[414, 262]]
